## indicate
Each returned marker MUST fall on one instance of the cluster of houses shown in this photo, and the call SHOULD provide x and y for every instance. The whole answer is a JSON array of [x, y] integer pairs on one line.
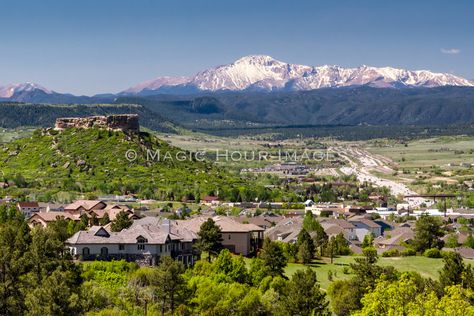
[[151, 237], [38, 213], [402, 209]]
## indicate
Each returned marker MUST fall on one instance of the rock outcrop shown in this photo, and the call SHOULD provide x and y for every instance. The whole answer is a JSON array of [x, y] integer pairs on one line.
[[123, 122]]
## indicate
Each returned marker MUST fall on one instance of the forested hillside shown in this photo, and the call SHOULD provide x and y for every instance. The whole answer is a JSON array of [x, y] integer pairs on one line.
[[13, 115], [343, 106]]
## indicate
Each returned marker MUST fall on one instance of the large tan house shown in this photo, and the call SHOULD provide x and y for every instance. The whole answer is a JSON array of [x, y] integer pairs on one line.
[[145, 242], [243, 239]]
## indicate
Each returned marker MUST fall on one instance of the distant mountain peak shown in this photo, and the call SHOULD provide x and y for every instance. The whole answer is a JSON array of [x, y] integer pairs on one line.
[[26, 87], [265, 73], [157, 83], [256, 59]]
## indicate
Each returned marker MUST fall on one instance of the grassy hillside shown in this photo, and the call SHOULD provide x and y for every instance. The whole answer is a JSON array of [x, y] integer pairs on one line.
[[60, 165]]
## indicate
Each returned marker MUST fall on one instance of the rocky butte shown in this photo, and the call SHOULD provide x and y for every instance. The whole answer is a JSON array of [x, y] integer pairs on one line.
[[123, 122]]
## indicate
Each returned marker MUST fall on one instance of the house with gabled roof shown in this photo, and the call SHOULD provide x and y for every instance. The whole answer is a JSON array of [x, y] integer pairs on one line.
[[28, 208], [146, 241], [347, 228], [45, 218], [244, 239], [287, 230], [112, 210], [82, 206], [365, 226]]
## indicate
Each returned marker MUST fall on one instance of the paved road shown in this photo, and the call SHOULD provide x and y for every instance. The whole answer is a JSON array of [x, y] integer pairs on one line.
[[361, 162]]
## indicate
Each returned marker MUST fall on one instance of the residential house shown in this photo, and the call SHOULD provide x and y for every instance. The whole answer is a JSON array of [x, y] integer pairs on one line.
[[45, 218], [326, 209], [244, 239], [395, 238], [82, 206], [146, 241], [348, 229], [287, 230], [210, 200], [28, 208], [112, 211], [51, 207], [365, 226], [385, 225], [264, 221], [460, 236], [465, 252]]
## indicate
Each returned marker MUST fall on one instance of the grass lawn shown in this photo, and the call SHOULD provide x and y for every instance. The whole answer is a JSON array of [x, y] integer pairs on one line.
[[427, 267]]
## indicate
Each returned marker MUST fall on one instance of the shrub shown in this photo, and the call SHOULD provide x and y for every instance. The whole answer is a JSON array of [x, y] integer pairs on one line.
[[391, 253], [408, 252], [432, 253]]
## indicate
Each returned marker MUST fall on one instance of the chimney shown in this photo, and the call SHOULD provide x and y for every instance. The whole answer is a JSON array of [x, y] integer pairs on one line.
[[166, 224]]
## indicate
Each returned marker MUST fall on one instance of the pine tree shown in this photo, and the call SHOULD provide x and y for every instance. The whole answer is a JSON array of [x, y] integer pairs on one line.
[[105, 219], [303, 295], [452, 271], [305, 247], [121, 222], [273, 258], [210, 238], [427, 233]]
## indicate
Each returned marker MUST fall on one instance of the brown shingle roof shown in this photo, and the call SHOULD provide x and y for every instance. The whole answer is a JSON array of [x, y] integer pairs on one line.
[[226, 224], [28, 204]]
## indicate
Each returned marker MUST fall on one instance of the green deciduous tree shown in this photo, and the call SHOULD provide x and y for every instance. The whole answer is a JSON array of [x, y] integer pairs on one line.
[[469, 241], [368, 241], [406, 297]]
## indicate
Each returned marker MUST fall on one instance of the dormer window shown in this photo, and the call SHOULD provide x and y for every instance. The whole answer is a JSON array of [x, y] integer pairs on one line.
[[141, 242]]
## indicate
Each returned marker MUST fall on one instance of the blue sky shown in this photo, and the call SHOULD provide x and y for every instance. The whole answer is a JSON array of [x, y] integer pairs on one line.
[[88, 47]]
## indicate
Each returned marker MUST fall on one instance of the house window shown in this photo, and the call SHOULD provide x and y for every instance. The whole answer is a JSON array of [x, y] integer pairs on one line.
[[86, 251], [121, 247], [104, 251], [161, 248], [229, 236], [141, 242]]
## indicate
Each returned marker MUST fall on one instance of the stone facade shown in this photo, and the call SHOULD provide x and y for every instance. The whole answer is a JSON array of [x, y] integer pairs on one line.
[[124, 122]]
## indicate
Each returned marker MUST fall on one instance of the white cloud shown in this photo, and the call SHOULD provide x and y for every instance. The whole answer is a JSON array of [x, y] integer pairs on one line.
[[450, 51]]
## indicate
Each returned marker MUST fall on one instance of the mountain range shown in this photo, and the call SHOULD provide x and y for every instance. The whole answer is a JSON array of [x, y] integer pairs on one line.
[[254, 73]]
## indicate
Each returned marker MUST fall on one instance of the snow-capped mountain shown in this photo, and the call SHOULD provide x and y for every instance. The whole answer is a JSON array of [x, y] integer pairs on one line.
[[264, 73], [35, 93], [21, 88], [157, 83]]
